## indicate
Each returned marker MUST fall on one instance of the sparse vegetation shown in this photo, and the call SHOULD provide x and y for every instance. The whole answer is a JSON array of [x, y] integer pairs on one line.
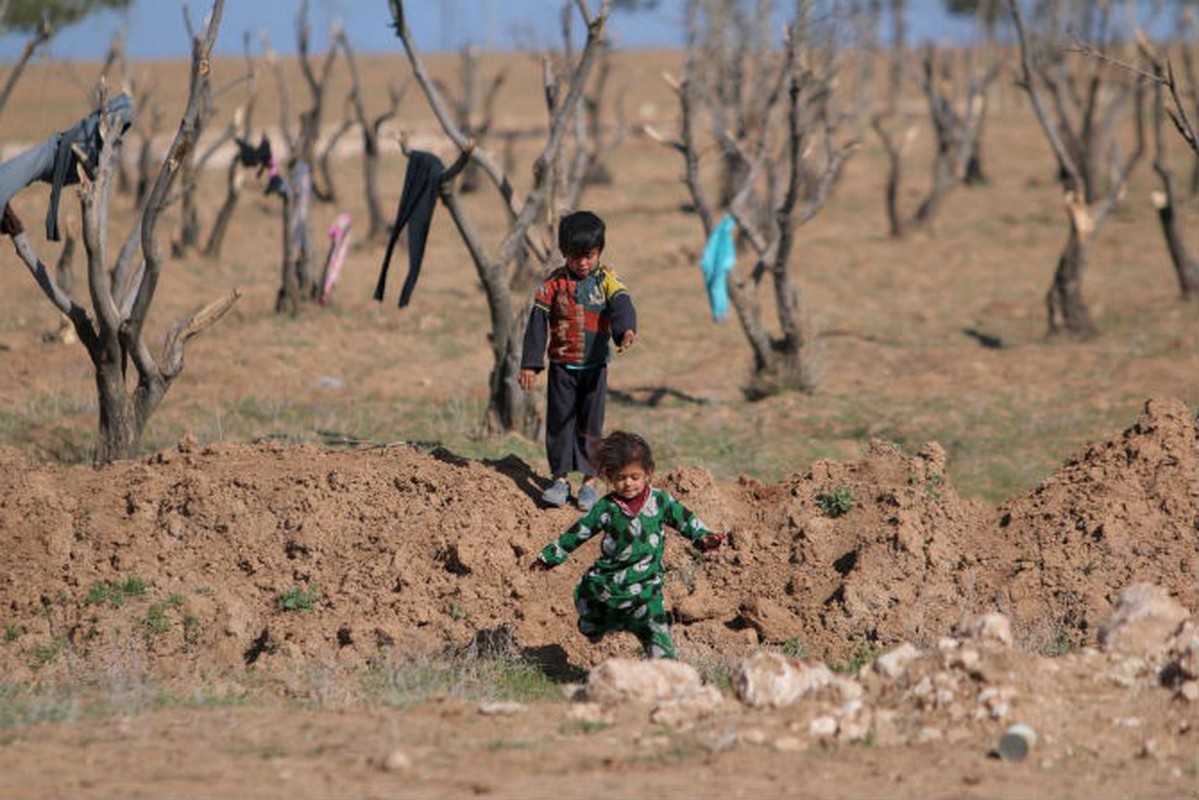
[[296, 598], [836, 503], [861, 654], [115, 594]]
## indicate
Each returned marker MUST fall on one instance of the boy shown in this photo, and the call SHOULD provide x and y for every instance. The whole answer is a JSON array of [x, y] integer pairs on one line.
[[578, 308], [623, 588]]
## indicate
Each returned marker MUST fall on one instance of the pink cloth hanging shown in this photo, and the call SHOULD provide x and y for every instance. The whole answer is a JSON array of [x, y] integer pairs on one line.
[[339, 243]]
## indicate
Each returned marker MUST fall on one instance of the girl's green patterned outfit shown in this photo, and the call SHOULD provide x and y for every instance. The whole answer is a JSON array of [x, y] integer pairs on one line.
[[623, 588]]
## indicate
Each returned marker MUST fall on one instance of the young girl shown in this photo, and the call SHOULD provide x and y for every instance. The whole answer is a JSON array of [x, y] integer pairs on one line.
[[623, 588]]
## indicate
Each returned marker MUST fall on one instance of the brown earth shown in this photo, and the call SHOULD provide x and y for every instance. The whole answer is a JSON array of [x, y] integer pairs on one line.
[[202, 683]]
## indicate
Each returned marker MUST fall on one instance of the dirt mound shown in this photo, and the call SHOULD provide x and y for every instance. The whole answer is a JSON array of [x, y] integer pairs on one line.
[[1123, 511], [246, 557]]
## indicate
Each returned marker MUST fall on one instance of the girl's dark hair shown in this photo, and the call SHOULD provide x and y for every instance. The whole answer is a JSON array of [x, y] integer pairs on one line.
[[619, 449], [580, 233]]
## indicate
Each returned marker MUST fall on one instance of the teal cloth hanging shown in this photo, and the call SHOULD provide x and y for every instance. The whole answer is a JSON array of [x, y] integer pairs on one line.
[[720, 256]]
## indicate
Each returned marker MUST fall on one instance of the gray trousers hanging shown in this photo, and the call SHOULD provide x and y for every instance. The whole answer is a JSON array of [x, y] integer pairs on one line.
[[54, 162]]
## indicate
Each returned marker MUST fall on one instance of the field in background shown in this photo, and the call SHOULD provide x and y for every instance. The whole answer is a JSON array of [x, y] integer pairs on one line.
[[893, 354]]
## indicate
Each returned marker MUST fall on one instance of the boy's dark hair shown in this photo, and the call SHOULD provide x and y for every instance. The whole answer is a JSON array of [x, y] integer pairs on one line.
[[619, 449], [580, 233]]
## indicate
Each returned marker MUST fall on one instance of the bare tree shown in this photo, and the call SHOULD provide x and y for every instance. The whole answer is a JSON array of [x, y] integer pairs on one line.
[[1165, 201], [113, 330], [243, 125], [1079, 121], [41, 34], [310, 120], [957, 133], [505, 276], [473, 107], [195, 160], [776, 193], [370, 129]]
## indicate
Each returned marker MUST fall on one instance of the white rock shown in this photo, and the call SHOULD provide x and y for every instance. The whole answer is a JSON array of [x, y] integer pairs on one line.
[[397, 761], [499, 708], [788, 744], [686, 710], [992, 628], [1142, 622], [753, 736], [822, 726], [588, 712], [768, 679], [625, 680], [892, 663], [929, 734]]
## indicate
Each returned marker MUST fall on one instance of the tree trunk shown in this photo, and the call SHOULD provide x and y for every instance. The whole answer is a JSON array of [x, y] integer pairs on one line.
[[288, 300], [1068, 312], [119, 434], [1185, 267], [370, 169], [217, 237], [511, 408]]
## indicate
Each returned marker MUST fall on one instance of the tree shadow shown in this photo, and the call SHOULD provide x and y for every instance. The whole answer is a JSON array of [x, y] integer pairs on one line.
[[520, 473], [652, 396], [987, 340], [551, 659]]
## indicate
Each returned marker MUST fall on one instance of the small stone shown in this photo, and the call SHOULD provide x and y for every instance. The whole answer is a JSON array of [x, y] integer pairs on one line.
[[753, 736], [501, 708], [588, 712], [929, 734], [788, 744], [993, 628], [892, 663], [397, 761], [1189, 691], [822, 726]]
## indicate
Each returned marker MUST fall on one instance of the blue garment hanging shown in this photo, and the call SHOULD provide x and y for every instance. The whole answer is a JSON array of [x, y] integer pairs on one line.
[[720, 256]]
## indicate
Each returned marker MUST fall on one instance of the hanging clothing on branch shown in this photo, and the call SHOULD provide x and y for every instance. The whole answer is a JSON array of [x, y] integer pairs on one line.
[[54, 161], [339, 243], [422, 182], [719, 258]]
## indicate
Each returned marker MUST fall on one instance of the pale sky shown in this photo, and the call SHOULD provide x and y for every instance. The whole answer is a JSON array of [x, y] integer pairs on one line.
[[156, 29]]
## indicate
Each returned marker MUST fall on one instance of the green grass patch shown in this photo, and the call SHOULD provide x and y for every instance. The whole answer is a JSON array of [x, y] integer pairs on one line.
[[836, 503], [115, 594], [296, 598]]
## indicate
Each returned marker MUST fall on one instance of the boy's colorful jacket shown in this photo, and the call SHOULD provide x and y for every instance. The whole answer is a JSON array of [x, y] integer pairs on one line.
[[578, 315], [629, 569]]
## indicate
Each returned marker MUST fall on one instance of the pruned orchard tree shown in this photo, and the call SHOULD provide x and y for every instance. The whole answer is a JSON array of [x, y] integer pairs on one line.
[[507, 277], [310, 120], [120, 294], [370, 128], [957, 130], [1186, 268], [473, 105], [1079, 113], [242, 127], [196, 160], [780, 173]]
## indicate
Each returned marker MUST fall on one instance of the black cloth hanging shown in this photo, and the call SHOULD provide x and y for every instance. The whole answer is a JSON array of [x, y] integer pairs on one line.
[[53, 161], [422, 181], [254, 155]]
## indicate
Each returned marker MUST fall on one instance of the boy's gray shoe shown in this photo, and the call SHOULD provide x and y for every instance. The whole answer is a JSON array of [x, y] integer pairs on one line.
[[557, 494], [587, 497]]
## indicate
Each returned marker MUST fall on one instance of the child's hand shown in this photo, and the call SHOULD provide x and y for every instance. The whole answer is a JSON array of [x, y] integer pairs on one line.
[[627, 340], [528, 379], [710, 542], [539, 566]]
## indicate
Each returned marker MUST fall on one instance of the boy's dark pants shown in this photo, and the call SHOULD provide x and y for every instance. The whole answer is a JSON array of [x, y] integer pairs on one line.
[[574, 417]]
